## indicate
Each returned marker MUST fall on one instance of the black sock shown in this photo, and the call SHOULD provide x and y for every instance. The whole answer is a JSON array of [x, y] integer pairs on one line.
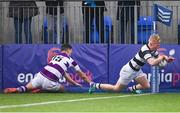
[[134, 88], [99, 86]]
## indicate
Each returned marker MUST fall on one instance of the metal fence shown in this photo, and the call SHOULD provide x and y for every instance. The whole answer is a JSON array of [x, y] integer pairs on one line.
[[76, 22]]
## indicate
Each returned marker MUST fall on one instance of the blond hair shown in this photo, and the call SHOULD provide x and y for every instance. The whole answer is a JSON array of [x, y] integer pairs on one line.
[[154, 38]]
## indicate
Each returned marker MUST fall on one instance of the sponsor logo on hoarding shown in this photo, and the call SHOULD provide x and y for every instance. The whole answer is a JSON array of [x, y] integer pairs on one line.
[[173, 78], [27, 77], [24, 78]]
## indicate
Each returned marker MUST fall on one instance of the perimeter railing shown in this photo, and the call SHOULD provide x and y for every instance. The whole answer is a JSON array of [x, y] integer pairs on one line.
[[73, 22]]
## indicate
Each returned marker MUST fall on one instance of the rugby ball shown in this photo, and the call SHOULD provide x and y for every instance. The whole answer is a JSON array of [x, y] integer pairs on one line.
[[163, 63]]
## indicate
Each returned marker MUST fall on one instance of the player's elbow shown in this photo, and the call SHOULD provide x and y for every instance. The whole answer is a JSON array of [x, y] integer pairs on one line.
[[152, 63]]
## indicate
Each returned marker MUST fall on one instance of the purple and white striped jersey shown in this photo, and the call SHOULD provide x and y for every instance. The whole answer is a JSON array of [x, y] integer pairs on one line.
[[58, 66]]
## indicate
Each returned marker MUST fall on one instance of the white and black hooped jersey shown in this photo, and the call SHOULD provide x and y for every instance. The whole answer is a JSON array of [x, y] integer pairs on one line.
[[141, 57], [57, 67]]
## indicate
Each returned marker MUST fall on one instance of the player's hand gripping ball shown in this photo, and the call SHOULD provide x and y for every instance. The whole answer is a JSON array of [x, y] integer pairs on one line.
[[163, 63], [52, 52]]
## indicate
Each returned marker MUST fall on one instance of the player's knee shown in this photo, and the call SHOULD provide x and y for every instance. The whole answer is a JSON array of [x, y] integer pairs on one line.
[[116, 89], [147, 86]]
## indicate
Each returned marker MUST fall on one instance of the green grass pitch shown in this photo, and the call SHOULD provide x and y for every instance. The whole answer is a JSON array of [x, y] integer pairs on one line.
[[83, 102]]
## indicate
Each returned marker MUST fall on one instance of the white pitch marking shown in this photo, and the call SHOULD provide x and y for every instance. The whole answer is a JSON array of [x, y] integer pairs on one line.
[[67, 101]]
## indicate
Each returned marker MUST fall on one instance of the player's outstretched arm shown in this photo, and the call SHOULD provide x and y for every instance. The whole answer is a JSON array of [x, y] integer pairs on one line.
[[69, 79], [83, 76], [169, 58], [155, 61]]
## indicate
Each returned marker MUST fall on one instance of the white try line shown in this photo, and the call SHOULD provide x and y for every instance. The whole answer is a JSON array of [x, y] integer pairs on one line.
[[67, 101]]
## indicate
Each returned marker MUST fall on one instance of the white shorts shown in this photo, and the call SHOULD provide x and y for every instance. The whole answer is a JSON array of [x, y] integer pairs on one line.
[[127, 74], [39, 81]]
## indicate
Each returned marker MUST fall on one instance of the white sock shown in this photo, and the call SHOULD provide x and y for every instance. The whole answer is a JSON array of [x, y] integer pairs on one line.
[[97, 85]]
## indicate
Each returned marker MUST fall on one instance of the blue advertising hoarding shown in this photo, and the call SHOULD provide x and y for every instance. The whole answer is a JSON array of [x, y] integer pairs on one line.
[[92, 58], [100, 62], [169, 77], [119, 55], [1, 71], [22, 62]]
